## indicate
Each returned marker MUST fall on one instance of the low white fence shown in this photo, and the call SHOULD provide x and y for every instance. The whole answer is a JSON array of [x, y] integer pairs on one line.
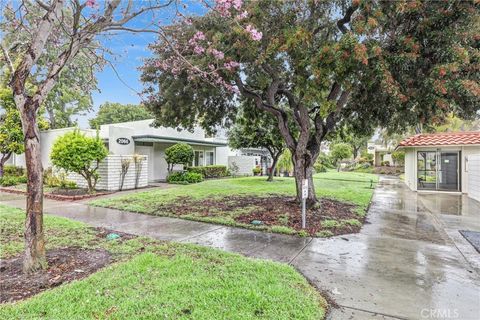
[[110, 171]]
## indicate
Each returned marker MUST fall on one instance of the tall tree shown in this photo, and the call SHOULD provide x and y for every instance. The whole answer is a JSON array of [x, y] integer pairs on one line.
[[357, 141], [71, 29], [316, 63], [72, 94], [256, 129], [113, 112]]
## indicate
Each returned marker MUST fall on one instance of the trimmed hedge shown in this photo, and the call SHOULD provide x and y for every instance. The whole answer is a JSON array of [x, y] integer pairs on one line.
[[7, 181], [9, 170], [214, 171], [184, 177]]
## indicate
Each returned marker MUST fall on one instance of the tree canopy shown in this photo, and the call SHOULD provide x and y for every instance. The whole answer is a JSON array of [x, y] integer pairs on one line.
[[254, 128], [113, 112], [317, 64], [179, 153]]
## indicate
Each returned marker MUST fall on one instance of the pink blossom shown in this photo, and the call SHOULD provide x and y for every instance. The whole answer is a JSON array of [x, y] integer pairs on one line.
[[91, 3], [217, 54], [254, 33], [199, 35], [231, 65], [198, 49], [242, 15], [224, 6], [237, 4]]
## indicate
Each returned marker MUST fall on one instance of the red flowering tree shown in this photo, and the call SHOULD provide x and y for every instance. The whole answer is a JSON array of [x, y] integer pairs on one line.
[[315, 64]]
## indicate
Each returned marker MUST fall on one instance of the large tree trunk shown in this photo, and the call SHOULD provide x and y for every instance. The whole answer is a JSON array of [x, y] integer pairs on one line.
[[35, 258], [303, 169], [273, 167]]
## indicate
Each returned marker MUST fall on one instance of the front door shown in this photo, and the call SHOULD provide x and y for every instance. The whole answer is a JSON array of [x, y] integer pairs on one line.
[[438, 170]]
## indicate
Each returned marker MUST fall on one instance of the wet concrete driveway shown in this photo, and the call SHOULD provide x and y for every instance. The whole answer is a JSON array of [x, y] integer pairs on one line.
[[408, 262]]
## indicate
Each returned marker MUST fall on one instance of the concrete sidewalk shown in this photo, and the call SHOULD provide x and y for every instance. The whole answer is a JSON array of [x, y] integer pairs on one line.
[[402, 265]]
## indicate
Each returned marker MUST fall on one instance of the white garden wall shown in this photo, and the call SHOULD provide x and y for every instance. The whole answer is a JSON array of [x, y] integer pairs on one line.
[[245, 164], [110, 174], [473, 171]]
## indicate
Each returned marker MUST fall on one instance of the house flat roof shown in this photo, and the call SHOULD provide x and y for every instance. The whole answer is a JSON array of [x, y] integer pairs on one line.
[[155, 138], [442, 139]]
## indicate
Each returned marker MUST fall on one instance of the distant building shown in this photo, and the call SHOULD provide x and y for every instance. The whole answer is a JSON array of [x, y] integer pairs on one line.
[[443, 162]]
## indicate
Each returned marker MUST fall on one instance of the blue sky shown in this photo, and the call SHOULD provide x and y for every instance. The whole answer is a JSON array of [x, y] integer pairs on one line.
[[129, 49]]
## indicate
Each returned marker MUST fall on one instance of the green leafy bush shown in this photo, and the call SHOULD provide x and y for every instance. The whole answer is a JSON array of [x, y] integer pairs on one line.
[[256, 171], [10, 170], [213, 171], [7, 181], [50, 179], [385, 163], [185, 177], [180, 153], [319, 167], [75, 152]]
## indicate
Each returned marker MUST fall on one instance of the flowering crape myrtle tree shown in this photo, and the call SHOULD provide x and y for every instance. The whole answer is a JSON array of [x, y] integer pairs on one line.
[[316, 64], [70, 28]]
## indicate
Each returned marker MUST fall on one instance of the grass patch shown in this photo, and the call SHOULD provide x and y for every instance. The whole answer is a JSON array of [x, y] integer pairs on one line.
[[352, 187], [156, 280], [349, 187]]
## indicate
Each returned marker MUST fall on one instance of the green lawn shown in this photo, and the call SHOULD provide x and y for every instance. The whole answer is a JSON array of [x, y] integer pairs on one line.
[[350, 187], [150, 279]]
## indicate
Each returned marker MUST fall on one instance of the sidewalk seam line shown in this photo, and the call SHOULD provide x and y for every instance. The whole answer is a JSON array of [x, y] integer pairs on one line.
[[374, 312], [301, 250], [200, 234]]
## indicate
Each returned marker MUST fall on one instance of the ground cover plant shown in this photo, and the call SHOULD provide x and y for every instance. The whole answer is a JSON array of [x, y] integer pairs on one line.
[[252, 202], [135, 277]]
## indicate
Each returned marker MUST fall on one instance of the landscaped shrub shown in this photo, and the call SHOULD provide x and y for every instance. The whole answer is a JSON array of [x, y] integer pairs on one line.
[[180, 153], [185, 177], [256, 171], [75, 152], [59, 180], [319, 167], [208, 172], [7, 181], [10, 170], [385, 163]]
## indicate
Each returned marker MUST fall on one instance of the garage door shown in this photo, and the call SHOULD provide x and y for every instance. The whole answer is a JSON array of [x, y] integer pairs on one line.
[[474, 176]]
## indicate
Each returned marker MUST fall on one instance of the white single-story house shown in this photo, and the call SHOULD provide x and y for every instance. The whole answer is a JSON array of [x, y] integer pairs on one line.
[[124, 140], [380, 153], [443, 162]]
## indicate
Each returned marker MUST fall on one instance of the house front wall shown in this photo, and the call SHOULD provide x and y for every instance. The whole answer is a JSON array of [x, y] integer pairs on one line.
[[411, 172], [158, 168]]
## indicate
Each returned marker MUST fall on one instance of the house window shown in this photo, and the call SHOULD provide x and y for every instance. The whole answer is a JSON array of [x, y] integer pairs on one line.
[[210, 158], [198, 160]]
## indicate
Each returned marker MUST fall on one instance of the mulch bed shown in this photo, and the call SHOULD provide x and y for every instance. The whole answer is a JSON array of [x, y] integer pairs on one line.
[[272, 210], [61, 194], [64, 265]]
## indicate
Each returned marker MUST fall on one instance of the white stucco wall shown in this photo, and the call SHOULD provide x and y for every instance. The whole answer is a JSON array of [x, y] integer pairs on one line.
[[473, 168], [245, 164], [410, 168]]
